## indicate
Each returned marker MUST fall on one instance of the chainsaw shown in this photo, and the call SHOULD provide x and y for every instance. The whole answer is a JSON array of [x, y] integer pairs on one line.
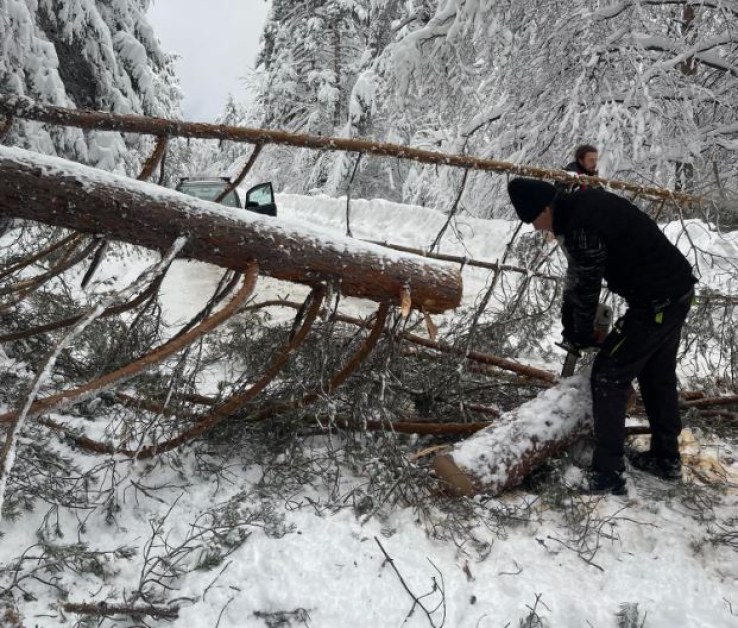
[[603, 322]]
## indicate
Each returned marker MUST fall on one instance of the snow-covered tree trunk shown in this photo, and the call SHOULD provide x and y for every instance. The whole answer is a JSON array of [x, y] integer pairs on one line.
[[65, 194], [500, 456], [93, 54]]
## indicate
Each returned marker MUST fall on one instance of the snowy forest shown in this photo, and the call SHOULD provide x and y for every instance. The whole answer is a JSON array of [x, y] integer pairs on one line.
[[651, 83], [211, 417]]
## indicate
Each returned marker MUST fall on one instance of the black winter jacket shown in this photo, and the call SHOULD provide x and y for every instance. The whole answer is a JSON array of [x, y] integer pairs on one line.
[[606, 237], [575, 166], [569, 186]]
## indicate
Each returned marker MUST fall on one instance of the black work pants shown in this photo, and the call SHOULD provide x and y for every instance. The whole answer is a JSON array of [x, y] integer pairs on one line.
[[643, 345]]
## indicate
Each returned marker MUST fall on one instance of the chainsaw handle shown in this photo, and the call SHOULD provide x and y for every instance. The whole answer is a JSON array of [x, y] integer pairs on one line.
[[569, 348]]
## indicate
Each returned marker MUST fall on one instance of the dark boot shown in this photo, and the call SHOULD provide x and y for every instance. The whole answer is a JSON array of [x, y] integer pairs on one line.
[[660, 466], [605, 482]]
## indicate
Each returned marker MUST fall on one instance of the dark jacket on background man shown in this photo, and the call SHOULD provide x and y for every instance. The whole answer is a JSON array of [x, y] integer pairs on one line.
[[618, 242], [570, 186], [575, 166]]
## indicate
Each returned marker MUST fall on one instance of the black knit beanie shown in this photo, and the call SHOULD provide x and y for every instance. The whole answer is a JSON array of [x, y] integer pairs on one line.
[[530, 197]]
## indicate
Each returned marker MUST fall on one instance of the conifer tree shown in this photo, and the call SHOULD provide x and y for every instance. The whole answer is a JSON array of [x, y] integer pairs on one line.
[[649, 82], [311, 53], [646, 81], [96, 54]]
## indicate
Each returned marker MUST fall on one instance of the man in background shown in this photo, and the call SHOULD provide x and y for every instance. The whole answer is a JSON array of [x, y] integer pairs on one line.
[[585, 163]]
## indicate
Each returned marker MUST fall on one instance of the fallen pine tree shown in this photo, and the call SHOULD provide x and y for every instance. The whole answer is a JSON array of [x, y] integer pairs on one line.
[[66, 194]]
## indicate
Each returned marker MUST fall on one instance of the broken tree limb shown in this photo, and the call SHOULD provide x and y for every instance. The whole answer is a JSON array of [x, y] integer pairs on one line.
[[103, 609], [485, 358], [467, 261], [69, 397], [711, 401], [25, 108], [154, 159], [60, 192], [242, 175], [404, 426], [497, 458]]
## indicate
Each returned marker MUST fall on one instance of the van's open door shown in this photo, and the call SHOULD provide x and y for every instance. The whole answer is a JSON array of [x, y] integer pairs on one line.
[[260, 199]]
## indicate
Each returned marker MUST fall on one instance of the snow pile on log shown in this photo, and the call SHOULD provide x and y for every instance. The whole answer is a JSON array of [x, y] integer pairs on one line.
[[500, 456]]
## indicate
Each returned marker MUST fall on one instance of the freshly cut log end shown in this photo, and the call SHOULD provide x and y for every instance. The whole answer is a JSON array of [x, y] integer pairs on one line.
[[454, 478]]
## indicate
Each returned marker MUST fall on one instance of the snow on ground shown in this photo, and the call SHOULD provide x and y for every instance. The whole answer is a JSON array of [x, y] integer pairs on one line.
[[331, 566], [327, 570]]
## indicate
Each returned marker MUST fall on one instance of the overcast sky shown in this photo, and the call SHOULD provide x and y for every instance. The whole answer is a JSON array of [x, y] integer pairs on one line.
[[217, 41]]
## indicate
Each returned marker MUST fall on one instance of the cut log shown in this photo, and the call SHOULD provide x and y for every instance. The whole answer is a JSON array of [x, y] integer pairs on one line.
[[63, 193], [498, 457]]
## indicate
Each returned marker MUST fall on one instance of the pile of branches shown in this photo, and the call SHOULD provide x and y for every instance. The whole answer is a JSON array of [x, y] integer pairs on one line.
[[339, 410]]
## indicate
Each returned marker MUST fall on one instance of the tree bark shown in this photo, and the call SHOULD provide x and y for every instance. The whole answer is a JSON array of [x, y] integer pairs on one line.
[[62, 193], [25, 108], [499, 457]]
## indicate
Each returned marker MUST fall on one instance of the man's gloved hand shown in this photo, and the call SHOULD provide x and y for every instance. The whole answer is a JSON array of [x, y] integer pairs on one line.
[[576, 337], [580, 343]]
